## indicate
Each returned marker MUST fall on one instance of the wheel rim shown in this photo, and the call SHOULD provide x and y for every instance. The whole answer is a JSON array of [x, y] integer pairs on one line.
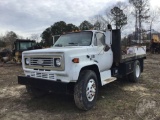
[[91, 90], [137, 71]]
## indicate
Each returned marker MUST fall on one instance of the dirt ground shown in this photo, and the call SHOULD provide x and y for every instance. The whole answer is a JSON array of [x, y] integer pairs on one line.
[[116, 101]]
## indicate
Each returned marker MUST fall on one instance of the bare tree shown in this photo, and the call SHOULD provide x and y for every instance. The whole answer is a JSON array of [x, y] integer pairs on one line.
[[154, 15], [123, 6], [141, 10], [109, 16], [20, 37], [119, 18], [99, 22], [35, 37], [10, 37], [2, 43], [85, 25]]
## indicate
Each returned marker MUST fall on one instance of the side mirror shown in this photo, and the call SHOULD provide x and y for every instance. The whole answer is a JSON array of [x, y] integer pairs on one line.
[[106, 48]]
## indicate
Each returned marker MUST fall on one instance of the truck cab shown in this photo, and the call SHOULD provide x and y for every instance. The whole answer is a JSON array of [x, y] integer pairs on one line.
[[79, 63]]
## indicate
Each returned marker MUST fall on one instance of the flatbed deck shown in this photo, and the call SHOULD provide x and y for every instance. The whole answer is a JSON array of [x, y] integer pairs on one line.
[[134, 52]]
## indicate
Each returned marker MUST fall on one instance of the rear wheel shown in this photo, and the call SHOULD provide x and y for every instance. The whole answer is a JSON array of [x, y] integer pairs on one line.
[[35, 92], [134, 76], [86, 90]]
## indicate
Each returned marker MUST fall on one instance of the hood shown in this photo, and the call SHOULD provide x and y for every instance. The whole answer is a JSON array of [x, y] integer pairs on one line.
[[57, 49]]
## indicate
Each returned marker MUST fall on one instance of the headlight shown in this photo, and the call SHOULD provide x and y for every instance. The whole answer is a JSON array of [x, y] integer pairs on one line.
[[27, 61], [57, 62]]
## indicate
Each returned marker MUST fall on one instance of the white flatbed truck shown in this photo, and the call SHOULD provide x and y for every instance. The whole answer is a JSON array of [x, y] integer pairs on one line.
[[79, 63]]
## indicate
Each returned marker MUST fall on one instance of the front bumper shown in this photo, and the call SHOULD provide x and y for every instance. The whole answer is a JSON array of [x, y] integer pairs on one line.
[[54, 86]]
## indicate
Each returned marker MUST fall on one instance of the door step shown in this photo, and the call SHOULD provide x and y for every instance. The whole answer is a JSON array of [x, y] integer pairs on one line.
[[111, 79]]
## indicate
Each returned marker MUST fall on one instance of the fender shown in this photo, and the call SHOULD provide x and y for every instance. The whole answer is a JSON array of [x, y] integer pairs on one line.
[[77, 68]]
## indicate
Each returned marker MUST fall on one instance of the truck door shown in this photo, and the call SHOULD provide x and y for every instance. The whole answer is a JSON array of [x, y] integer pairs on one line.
[[103, 58]]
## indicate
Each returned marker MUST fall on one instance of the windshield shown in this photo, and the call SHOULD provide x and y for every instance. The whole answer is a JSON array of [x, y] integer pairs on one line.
[[75, 39], [25, 45]]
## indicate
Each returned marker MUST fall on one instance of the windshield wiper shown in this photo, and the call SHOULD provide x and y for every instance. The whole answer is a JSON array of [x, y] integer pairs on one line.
[[59, 45], [73, 43]]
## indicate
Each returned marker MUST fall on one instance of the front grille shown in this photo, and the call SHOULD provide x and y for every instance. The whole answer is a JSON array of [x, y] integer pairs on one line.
[[44, 62], [41, 61], [43, 75]]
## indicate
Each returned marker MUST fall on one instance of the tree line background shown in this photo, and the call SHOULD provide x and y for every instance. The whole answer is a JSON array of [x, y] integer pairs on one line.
[[122, 16]]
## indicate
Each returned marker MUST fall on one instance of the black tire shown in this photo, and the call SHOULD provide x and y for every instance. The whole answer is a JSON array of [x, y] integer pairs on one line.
[[81, 99], [34, 92], [134, 76]]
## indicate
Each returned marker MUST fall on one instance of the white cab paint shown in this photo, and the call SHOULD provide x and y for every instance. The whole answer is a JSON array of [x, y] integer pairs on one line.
[[104, 58], [106, 77]]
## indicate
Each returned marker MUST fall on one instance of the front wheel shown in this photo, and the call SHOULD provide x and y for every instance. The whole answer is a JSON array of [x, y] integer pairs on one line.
[[134, 76], [86, 90]]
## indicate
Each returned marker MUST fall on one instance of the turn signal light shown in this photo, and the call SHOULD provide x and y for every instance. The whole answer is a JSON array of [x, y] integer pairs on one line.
[[75, 60]]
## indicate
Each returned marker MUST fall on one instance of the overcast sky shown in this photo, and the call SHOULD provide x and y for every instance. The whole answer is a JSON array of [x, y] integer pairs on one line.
[[26, 17]]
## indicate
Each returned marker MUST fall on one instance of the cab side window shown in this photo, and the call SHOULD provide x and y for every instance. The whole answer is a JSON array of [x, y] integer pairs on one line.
[[99, 39]]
